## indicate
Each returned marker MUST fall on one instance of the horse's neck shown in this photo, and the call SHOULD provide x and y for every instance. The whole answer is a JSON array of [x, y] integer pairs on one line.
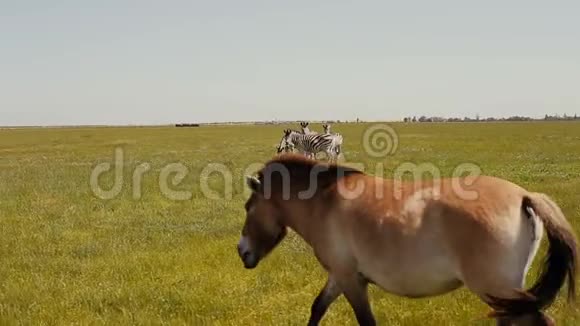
[[299, 222]]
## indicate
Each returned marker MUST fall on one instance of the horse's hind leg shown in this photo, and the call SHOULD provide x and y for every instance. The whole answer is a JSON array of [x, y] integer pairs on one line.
[[500, 266], [500, 275], [487, 281]]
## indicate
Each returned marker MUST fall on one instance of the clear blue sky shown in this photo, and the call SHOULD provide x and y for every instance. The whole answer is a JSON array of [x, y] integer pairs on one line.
[[154, 62]]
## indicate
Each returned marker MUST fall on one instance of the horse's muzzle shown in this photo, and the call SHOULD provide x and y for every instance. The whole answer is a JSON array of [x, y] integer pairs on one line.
[[247, 258]]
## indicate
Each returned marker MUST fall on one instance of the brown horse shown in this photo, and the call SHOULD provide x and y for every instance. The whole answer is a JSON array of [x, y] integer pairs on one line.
[[412, 239]]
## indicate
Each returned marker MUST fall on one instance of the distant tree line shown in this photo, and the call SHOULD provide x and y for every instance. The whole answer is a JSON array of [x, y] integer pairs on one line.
[[423, 118], [490, 119], [564, 117]]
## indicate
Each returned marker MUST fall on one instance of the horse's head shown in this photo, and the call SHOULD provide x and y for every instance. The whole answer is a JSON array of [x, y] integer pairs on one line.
[[263, 229]]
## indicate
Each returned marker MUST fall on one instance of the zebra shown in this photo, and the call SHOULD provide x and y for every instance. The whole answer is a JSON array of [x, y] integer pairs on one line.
[[284, 145], [305, 129], [337, 138], [308, 144]]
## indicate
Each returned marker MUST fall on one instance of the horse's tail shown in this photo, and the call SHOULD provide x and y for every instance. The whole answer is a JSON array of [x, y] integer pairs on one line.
[[561, 261]]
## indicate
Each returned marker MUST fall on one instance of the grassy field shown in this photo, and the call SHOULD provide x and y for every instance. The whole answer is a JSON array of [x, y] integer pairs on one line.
[[70, 257]]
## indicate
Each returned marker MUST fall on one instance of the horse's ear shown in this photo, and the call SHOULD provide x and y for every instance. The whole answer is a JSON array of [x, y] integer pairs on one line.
[[253, 183]]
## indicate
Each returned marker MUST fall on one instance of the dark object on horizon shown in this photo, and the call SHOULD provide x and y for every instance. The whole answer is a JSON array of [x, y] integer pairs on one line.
[[187, 125]]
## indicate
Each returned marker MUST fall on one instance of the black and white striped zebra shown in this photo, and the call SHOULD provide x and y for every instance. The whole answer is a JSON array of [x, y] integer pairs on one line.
[[337, 138], [305, 129], [308, 144]]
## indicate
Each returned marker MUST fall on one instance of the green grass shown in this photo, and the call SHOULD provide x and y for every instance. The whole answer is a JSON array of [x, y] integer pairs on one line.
[[69, 257]]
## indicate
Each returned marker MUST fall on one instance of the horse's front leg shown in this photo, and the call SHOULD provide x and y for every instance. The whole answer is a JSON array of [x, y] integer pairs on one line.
[[325, 298], [354, 287]]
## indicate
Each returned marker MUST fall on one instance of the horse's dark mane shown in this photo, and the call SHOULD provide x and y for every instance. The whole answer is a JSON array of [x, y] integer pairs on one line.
[[301, 171], [295, 162]]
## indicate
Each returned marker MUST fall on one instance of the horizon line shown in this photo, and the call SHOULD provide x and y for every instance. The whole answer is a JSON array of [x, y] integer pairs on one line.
[[446, 120]]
